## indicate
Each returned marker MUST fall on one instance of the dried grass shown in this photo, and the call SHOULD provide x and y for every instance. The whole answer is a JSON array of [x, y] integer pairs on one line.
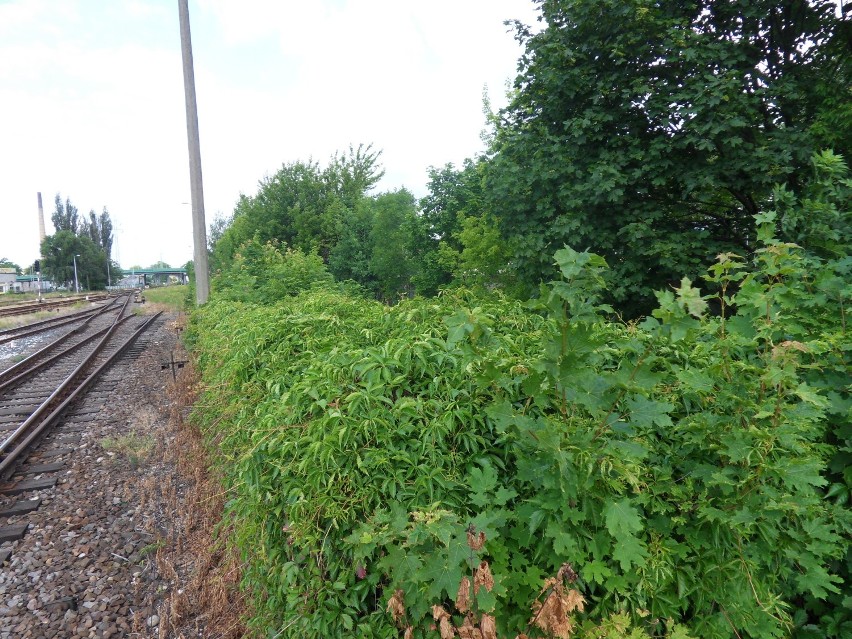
[[205, 599]]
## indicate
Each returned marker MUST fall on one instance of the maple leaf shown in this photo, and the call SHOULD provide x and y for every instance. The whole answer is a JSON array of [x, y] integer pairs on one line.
[[482, 578], [646, 412], [595, 571], [622, 519], [444, 572], [690, 297], [482, 482], [396, 605], [628, 551]]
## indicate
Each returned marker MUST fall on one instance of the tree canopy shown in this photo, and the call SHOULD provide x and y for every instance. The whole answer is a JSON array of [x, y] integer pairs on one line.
[[302, 205], [60, 252], [652, 133], [89, 239]]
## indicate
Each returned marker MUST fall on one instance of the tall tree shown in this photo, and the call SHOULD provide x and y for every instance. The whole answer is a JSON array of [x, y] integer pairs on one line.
[[350, 257], [90, 228], [65, 216], [354, 173], [303, 205], [105, 235], [470, 247], [452, 193], [62, 249], [652, 132], [393, 239]]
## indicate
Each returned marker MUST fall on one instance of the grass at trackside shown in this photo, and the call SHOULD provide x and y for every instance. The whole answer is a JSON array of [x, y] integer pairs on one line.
[[19, 298], [173, 298], [16, 321]]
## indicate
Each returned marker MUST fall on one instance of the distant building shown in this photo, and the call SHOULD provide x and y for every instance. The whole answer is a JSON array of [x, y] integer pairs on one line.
[[10, 282], [30, 283], [8, 277], [135, 280]]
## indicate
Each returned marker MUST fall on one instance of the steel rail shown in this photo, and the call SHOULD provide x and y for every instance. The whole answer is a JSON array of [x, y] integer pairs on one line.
[[54, 344], [23, 331], [32, 428], [11, 334], [63, 386], [35, 369], [26, 309]]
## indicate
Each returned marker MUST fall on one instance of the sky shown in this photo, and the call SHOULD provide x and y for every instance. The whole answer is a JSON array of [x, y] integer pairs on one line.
[[92, 102]]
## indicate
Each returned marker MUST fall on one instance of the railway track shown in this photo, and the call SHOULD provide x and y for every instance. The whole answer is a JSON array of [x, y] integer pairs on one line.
[[35, 328], [48, 305], [36, 392]]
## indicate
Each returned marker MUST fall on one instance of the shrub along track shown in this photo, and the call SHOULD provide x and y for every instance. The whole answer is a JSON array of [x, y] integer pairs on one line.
[[89, 563]]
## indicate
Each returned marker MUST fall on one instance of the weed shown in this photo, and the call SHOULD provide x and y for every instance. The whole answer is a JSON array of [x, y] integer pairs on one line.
[[151, 548], [133, 446]]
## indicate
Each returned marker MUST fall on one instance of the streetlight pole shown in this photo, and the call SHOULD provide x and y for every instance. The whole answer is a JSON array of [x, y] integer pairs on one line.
[[76, 283]]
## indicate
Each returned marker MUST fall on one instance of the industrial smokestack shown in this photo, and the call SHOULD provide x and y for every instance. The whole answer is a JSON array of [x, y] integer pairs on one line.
[[41, 233]]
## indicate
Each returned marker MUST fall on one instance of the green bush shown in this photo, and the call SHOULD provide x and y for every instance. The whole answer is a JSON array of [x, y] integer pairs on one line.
[[263, 273], [689, 474]]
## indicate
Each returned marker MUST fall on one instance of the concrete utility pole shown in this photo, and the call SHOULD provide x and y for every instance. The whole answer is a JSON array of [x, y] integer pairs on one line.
[[199, 226], [41, 236]]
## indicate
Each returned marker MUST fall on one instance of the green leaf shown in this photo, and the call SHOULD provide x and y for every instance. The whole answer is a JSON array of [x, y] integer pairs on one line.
[[482, 481], [799, 473], [696, 380], [690, 297], [595, 571], [486, 601], [629, 551], [504, 495], [645, 412], [443, 573], [622, 519]]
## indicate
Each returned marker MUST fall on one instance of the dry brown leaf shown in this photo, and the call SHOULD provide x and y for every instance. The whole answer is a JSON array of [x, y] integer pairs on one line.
[[468, 631], [552, 615], [482, 577], [409, 633], [446, 627], [550, 582], [488, 627], [476, 542], [438, 613], [463, 596], [396, 605], [574, 601], [522, 636], [567, 573]]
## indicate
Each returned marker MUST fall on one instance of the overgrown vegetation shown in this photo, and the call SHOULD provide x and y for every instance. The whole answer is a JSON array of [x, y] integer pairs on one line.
[[653, 132], [648, 133], [171, 298], [470, 464], [692, 469]]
